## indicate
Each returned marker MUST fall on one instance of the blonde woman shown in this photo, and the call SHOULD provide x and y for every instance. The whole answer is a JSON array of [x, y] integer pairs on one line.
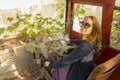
[[79, 63]]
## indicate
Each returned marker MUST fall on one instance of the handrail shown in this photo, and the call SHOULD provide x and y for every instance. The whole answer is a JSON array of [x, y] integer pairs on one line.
[[103, 71]]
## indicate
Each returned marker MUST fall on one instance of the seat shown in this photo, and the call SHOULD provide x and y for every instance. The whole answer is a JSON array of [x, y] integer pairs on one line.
[[103, 71]]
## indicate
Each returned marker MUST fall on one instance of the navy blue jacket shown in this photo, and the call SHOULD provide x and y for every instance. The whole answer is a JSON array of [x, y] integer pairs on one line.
[[80, 60]]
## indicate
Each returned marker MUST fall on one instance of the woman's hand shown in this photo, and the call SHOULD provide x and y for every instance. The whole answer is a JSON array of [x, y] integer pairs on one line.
[[67, 39], [47, 63]]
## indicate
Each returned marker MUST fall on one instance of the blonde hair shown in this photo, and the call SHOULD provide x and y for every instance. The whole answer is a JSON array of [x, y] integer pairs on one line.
[[96, 35]]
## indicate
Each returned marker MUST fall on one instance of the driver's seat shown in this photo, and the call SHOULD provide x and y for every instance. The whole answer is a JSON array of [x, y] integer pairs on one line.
[[104, 70]]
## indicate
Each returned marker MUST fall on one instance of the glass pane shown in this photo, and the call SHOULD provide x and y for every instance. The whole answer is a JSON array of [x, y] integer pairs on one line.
[[117, 3], [82, 10], [115, 30]]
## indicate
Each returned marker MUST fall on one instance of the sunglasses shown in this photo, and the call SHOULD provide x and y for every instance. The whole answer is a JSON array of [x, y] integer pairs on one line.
[[85, 25]]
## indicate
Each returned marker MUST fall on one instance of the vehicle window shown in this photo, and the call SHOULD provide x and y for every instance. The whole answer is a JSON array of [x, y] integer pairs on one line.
[[81, 10], [115, 30]]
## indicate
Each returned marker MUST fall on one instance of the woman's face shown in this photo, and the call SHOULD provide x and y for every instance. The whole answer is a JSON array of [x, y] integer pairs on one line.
[[86, 26]]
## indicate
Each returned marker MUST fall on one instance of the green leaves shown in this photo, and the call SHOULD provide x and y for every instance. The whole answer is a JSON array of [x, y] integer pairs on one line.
[[16, 24], [31, 34], [31, 48], [10, 28], [23, 31], [1, 30], [116, 19], [31, 26], [79, 11], [60, 6], [115, 30], [10, 19]]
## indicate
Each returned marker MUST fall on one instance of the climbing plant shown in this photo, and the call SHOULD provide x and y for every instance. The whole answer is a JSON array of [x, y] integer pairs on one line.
[[79, 11], [30, 26]]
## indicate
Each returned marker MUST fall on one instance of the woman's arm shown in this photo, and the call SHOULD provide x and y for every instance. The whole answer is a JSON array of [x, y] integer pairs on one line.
[[76, 41], [77, 54]]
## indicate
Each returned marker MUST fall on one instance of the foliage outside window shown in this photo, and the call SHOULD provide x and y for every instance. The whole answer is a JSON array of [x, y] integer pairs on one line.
[[115, 30]]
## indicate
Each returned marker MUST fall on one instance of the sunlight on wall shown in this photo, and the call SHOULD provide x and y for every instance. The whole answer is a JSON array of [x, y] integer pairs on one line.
[[46, 2]]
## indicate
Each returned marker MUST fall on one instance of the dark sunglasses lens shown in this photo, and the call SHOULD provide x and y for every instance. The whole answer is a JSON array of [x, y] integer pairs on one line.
[[87, 25], [81, 22]]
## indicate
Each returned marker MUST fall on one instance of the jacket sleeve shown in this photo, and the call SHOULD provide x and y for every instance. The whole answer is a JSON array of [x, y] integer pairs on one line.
[[76, 41], [77, 54]]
